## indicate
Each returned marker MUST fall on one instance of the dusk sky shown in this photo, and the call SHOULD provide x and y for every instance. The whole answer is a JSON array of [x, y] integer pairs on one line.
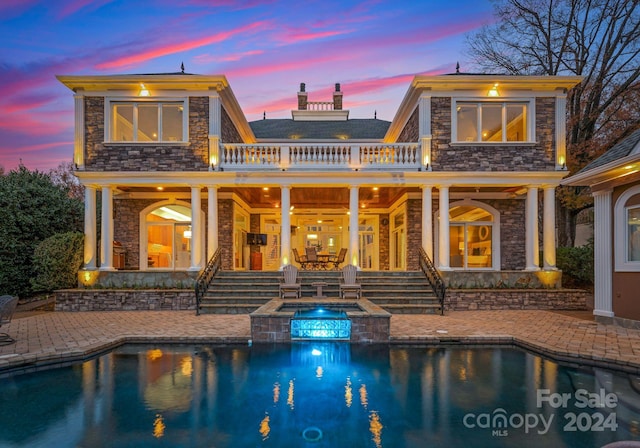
[[264, 48]]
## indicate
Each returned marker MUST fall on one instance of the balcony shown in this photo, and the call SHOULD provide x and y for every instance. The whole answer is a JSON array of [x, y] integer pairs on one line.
[[321, 157]]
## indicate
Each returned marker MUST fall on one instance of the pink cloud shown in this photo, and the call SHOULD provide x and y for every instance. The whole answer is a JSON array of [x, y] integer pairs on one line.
[[208, 58], [165, 50], [72, 7], [298, 35]]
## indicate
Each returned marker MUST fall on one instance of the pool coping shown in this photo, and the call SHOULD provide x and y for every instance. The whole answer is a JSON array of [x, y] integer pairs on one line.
[[30, 362]]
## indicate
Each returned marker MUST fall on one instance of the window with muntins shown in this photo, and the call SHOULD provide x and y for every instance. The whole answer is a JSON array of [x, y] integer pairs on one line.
[[491, 122], [147, 121], [633, 233]]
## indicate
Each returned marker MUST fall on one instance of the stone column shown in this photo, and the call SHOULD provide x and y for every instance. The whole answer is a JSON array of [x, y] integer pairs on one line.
[[197, 235], [549, 229], [106, 246], [443, 229], [427, 221], [603, 297], [212, 221], [90, 228], [532, 257], [285, 230], [353, 225]]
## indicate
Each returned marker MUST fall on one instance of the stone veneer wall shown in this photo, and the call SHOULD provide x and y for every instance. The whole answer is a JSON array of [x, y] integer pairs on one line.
[[512, 230], [225, 232], [101, 156], [383, 242], [516, 299], [533, 157], [125, 300], [414, 233], [126, 227], [229, 132], [411, 131]]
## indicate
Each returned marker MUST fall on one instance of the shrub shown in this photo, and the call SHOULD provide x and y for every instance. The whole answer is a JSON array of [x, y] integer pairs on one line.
[[576, 264], [56, 261]]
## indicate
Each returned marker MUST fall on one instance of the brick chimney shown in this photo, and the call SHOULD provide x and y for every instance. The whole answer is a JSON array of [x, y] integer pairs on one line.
[[302, 97], [337, 98]]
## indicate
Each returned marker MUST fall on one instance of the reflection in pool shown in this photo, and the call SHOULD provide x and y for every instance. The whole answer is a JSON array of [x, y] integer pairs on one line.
[[326, 394]]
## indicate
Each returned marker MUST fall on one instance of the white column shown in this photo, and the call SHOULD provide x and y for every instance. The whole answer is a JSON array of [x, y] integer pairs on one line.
[[90, 229], [427, 221], [532, 258], [212, 221], [215, 126], [549, 229], [603, 261], [106, 246], [425, 130], [561, 132], [197, 235], [285, 230], [78, 140], [443, 229], [354, 200]]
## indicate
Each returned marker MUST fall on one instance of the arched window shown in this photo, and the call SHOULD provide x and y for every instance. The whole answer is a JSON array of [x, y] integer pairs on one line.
[[165, 237], [474, 236], [627, 231]]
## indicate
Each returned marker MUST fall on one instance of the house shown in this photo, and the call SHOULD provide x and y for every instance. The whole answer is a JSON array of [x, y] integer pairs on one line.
[[614, 178], [181, 174]]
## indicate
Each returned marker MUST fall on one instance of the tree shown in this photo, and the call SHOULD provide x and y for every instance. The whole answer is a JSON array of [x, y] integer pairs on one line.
[[596, 39], [56, 261], [32, 208], [63, 176]]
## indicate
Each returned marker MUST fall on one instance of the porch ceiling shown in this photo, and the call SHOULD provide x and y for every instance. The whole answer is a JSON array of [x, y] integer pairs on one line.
[[322, 198]]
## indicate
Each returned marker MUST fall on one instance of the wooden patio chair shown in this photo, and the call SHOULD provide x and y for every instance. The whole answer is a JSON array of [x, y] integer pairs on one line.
[[349, 286], [301, 260], [289, 285], [7, 308], [312, 257], [339, 259]]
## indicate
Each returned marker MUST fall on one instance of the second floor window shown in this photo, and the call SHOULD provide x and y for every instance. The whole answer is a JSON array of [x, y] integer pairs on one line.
[[147, 121], [491, 122]]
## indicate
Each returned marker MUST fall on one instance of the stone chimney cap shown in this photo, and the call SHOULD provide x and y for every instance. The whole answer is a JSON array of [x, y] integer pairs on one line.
[[302, 87]]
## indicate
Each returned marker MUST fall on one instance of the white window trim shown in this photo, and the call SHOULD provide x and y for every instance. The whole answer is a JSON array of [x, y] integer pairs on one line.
[[108, 102], [531, 120], [621, 236]]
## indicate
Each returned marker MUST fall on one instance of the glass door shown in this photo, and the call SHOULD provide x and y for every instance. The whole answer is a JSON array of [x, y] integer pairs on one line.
[[398, 240]]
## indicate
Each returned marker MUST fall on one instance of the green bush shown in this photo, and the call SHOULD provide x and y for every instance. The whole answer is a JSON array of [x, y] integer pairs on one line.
[[32, 208], [576, 264], [56, 261]]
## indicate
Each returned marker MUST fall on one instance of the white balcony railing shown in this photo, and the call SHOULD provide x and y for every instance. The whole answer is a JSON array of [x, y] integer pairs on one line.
[[393, 157]]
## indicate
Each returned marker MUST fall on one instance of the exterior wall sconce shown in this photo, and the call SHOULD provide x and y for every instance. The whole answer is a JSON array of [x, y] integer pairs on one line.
[[213, 161], [143, 91], [493, 92], [562, 162]]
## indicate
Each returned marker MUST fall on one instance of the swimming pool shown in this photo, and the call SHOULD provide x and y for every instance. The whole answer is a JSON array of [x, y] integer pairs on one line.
[[310, 394]]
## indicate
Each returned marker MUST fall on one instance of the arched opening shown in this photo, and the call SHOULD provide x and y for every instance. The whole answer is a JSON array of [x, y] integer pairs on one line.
[[165, 237], [474, 236]]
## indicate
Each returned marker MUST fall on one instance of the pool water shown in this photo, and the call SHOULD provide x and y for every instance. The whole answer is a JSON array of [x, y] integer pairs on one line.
[[324, 394]]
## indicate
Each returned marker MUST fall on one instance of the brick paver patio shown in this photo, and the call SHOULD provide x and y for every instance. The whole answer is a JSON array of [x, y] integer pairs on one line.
[[58, 336]]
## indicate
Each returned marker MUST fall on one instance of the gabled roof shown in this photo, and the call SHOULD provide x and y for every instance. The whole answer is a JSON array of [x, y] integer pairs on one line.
[[288, 129], [620, 160]]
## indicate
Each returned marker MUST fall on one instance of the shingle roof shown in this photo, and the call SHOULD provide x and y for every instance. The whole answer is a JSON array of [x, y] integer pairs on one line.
[[621, 149], [356, 129]]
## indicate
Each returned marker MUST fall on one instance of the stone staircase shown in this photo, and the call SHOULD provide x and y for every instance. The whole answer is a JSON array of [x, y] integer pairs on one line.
[[238, 292]]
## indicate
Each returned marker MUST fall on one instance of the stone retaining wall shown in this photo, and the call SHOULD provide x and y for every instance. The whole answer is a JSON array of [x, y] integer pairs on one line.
[[125, 300], [516, 299]]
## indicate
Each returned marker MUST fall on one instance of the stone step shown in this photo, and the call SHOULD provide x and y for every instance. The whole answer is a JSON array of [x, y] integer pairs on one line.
[[411, 309]]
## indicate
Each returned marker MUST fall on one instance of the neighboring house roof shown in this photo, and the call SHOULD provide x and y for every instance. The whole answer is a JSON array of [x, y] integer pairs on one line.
[[621, 159], [621, 149], [355, 129]]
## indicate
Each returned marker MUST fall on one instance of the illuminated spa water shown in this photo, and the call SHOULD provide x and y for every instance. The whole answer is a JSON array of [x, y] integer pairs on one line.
[[311, 394]]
